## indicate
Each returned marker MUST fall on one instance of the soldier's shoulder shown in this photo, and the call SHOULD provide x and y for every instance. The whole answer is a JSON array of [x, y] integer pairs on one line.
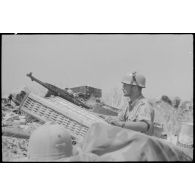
[[144, 100]]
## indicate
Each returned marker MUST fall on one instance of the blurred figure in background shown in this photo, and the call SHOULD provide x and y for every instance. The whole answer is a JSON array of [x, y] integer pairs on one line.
[[166, 99], [176, 102]]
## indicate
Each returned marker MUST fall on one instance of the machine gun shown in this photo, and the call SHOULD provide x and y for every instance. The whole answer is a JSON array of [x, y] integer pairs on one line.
[[59, 92]]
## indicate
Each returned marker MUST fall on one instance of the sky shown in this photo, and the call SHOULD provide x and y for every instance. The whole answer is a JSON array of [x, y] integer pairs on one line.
[[99, 60]]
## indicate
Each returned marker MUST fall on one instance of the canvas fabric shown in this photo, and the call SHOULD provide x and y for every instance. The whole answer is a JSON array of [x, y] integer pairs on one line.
[[110, 143]]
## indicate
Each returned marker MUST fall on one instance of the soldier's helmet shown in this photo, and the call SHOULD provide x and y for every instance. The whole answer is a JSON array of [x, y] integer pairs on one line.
[[135, 79], [49, 142]]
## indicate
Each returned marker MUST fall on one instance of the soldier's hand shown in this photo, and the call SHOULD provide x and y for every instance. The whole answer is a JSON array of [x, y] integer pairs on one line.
[[113, 121], [116, 123]]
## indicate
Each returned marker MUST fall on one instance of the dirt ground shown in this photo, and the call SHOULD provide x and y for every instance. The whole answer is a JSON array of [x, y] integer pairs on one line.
[[13, 148]]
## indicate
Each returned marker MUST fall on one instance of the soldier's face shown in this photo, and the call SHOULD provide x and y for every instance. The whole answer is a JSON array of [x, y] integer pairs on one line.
[[128, 89]]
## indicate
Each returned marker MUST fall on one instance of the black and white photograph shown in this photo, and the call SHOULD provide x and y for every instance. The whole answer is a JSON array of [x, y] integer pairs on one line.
[[97, 97]]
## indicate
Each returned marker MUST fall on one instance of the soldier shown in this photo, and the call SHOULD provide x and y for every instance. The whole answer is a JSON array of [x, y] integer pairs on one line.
[[138, 114], [176, 102]]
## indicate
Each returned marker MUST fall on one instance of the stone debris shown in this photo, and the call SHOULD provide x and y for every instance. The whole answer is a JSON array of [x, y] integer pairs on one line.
[[13, 148], [16, 129], [18, 126]]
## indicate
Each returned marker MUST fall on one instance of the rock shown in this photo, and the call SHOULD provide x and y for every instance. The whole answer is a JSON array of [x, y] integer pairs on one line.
[[23, 126], [22, 117], [22, 121]]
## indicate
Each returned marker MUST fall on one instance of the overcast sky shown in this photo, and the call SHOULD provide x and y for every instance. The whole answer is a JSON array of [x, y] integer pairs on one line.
[[99, 61]]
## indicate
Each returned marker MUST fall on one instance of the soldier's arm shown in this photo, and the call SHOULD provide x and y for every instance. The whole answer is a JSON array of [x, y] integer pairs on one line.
[[143, 120], [140, 126]]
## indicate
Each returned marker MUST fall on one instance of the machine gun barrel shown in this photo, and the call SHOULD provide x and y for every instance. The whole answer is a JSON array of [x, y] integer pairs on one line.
[[59, 92]]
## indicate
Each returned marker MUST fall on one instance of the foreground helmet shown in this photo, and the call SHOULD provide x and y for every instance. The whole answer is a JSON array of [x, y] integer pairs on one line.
[[49, 142], [135, 79]]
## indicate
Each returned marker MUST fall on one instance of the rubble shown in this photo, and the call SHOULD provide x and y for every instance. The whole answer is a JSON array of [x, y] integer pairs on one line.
[[13, 148], [16, 129], [17, 126]]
